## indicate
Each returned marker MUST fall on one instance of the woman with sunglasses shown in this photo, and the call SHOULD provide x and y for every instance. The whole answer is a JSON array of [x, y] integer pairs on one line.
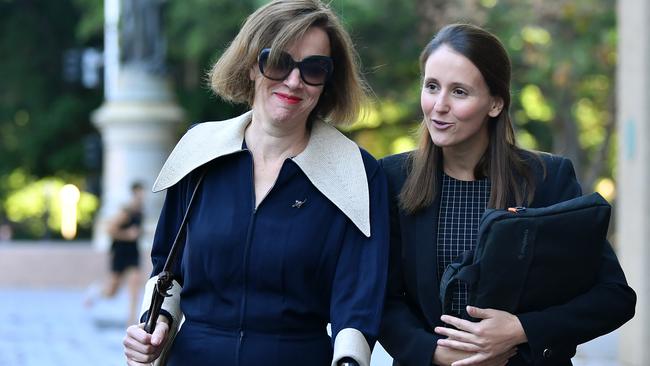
[[468, 160], [289, 228]]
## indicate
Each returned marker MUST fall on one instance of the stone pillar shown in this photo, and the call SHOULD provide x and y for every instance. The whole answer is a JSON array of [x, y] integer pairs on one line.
[[138, 121], [633, 208]]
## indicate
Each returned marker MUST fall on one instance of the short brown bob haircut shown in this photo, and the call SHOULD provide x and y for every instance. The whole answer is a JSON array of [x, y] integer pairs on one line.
[[276, 25]]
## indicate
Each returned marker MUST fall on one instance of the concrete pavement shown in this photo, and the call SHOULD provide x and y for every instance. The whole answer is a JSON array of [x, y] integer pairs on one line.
[[52, 328]]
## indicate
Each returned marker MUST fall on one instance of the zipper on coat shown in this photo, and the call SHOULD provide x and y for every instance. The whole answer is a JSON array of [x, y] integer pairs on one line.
[[247, 245]]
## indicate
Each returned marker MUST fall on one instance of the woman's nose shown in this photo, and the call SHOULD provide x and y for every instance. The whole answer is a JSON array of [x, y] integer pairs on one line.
[[293, 79], [441, 104]]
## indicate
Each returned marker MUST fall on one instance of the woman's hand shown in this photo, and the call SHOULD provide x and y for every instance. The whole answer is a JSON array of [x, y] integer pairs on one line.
[[142, 348], [495, 336], [446, 356]]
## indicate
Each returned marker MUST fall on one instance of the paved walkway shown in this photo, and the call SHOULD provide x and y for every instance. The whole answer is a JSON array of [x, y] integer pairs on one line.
[[50, 327]]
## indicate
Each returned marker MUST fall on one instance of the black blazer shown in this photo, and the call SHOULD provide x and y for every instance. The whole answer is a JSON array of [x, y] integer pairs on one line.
[[412, 308]]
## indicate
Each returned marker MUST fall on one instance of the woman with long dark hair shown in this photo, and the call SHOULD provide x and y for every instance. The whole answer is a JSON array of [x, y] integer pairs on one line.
[[467, 160]]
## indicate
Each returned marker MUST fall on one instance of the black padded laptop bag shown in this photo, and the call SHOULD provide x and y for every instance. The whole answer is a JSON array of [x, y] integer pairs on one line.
[[528, 259]]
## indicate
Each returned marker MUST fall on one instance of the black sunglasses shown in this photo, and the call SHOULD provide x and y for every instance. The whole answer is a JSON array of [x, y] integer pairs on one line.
[[314, 70]]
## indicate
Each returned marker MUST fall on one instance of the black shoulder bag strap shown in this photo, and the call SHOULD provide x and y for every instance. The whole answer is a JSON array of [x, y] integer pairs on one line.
[[166, 276]]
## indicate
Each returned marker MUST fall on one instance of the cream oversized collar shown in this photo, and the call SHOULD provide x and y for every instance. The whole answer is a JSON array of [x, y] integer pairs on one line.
[[331, 161]]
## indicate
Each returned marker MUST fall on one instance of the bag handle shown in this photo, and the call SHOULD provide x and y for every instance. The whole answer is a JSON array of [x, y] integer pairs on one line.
[[166, 276]]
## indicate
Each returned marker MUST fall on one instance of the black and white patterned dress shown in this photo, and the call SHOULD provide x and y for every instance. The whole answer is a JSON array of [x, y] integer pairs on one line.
[[461, 205]]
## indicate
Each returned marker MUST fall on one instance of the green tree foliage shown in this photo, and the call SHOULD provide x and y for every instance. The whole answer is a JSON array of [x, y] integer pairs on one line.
[[34, 205], [385, 32], [198, 31], [43, 120], [564, 55]]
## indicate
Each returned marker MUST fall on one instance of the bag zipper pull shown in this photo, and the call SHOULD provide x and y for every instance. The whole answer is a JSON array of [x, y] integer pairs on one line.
[[516, 209]]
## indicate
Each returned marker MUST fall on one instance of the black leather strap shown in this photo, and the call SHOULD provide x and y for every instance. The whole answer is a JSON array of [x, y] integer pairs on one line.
[[166, 276]]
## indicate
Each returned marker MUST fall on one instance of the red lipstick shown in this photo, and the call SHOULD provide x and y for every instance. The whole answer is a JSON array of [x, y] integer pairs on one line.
[[288, 98]]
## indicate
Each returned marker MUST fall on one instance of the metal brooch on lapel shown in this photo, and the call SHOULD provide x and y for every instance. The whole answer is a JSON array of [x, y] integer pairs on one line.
[[298, 203]]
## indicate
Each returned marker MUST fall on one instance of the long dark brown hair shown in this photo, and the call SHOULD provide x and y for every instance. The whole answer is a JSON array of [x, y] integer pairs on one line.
[[503, 162]]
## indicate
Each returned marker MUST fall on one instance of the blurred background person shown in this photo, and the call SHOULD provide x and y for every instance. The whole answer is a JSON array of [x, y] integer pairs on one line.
[[124, 230]]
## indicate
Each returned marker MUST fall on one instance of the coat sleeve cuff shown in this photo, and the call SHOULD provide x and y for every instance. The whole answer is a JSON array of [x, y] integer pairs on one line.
[[351, 343], [171, 305]]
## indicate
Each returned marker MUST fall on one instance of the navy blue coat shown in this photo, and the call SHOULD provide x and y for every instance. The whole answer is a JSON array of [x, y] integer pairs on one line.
[[412, 308], [260, 285]]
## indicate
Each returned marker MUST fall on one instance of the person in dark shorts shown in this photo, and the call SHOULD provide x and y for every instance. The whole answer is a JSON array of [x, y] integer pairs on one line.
[[125, 229]]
